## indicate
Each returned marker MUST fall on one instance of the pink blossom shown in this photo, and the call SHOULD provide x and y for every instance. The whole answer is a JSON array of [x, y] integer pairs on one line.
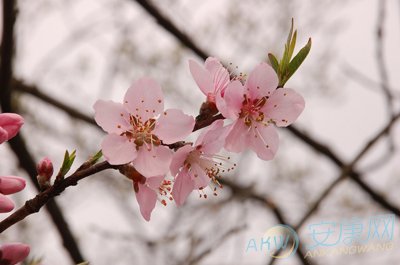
[[212, 79], [12, 253], [10, 123], [195, 166], [138, 128], [255, 107]]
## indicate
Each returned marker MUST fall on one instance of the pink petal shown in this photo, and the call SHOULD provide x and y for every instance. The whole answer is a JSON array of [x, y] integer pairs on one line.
[[6, 205], [118, 150], [183, 186], [154, 182], [284, 107], [238, 137], [199, 177], [264, 141], [202, 77], [11, 123], [14, 252], [220, 75], [11, 184], [173, 126], [262, 81], [179, 158], [153, 162], [144, 99], [146, 198], [234, 96], [212, 138], [3, 135], [111, 116], [212, 64]]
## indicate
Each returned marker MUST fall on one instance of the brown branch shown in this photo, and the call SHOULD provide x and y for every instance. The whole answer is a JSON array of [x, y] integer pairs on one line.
[[20, 86], [17, 143], [35, 204], [170, 27]]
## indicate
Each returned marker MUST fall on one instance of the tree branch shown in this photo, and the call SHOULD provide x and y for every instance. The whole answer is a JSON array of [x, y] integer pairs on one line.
[[17, 143]]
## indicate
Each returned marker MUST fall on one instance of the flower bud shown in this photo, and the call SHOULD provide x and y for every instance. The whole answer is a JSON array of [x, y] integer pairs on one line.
[[12, 253], [11, 184], [6, 205], [45, 171], [10, 123]]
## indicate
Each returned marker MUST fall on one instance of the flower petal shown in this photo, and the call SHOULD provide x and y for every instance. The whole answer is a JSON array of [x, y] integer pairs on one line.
[[146, 198], [212, 138], [11, 184], [6, 205], [220, 76], [284, 107], [173, 126], [199, 177], [111, 116], [264, 141], [11, 123], [238, 137], [262, 81], [202, 77], [144, 99], [153, 162], [14, 252], [234, 96], [179, 158], [118, 150], [154, 182], [183, 186]]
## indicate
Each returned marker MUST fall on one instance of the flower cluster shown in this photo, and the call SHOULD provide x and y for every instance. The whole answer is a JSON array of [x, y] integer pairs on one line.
[[142, 135], [10, 253]]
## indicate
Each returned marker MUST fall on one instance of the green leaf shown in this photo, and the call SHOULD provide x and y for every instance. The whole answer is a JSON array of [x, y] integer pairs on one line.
[[67, 163], [96, 157], [297, 61], [274, 62], [292, 44], [290, 34]]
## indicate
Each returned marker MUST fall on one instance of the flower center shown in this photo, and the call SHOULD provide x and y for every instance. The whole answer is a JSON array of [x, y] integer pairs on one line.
[[213, 166], [251, 110], [141, 132]]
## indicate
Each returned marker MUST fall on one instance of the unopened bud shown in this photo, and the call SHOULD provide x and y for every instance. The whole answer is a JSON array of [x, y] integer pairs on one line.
[[45, 171]]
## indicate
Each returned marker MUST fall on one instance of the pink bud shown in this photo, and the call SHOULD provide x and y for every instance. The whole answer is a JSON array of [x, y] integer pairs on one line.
[[12, 253], [10, 123], [11, 184], [45, 171], [6, 205]]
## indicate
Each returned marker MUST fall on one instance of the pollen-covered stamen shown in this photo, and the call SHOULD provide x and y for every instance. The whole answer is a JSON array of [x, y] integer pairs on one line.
[[164, 191], [251, 110], [141, 133]]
